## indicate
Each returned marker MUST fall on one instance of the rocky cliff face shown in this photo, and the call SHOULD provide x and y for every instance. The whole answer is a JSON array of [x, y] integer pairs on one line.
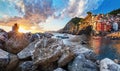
[[72, 26], [78, 26]]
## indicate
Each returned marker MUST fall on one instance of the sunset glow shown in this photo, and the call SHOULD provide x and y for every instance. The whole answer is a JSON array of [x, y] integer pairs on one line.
[[22, 30], [25, 29]]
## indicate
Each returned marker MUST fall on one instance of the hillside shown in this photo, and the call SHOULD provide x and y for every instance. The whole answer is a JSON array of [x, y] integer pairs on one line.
[[72, 26], [115, 12], [76, 25]]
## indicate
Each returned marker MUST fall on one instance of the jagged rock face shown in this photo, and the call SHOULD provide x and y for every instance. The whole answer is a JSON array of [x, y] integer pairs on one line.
[[77, 27], [108, 65], [7, 61], [72, 26], [45, 55], [89, 54], [26, 66], [80, 63], [50, 53], [66, 57], [28, 51], [16, 43], [47, 52], [4, 58], [13, 62], [3, 39], [86, 31], [48, 42]]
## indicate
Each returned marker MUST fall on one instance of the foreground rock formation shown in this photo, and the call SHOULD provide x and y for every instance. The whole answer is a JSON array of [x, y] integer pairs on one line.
[[108, 65], [51, 54], [8, 61], [16, 43]]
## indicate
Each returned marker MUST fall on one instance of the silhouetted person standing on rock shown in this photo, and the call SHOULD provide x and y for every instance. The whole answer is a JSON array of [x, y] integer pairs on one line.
[[15, 28]]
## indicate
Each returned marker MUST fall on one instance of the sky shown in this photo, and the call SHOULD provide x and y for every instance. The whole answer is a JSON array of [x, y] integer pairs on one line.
[[49, 15]]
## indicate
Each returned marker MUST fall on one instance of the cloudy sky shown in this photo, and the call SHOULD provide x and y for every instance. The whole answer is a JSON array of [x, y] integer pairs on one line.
[[50, 15]]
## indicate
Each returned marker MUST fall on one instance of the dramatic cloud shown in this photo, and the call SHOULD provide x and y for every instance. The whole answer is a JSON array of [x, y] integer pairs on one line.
[[44, 11], [34, 10], [78, 8], [40, 10]]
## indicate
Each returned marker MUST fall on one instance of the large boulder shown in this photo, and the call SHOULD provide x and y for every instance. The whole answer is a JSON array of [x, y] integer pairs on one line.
[[36, 36], [13, 62], [79, 49], [41, 43], [47, 53], [3, 39], [48, 35], [7, 61], [88, 53], [80, 63], [16, 43], [66, 57], [59, 69], [28, 51], [26, 66], [4, 58], [108, 65]]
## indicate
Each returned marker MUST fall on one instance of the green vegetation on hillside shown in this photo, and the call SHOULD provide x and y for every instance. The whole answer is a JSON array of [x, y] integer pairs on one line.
[[76, 20], [115, 12]]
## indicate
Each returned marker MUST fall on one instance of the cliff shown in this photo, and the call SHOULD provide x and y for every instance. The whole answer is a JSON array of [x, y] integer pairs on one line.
[[78, 25], [72, 26]]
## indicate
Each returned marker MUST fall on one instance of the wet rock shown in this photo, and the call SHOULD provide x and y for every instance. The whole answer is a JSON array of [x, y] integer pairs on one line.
[[66, 57], [59, 69], [108, 65], [16, 43], [26, 66], [116, 61], [48, 35], [80, 63], [4, 58], [28, 51], [36, 36], [83, 42], [13, 62], [79, 49]]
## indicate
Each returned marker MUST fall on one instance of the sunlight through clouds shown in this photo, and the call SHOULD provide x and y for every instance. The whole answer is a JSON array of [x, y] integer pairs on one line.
[[46, 11]]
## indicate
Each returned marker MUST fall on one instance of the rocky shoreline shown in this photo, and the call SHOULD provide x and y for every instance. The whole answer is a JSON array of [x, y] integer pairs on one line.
[[52, 54]]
